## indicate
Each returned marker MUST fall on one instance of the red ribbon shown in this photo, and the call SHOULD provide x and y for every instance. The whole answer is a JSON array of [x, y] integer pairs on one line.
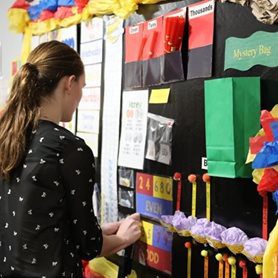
[[265, 217]]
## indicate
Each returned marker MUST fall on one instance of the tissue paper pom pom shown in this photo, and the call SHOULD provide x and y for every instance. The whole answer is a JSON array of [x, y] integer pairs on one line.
[[192, 178], [177, 176], [187, 245], [254, 249], [219, 257], [242, 264], [234, 238], [206, 178], [258, 269], [232, 260]]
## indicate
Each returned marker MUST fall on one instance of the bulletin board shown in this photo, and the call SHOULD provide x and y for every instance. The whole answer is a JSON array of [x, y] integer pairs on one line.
[[234, 202]]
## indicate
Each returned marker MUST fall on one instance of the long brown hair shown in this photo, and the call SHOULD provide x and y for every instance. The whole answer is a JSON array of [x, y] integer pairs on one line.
[[36, 79]]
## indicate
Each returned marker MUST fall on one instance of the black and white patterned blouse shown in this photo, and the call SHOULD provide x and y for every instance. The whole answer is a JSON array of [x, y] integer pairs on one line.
[[47, 223]]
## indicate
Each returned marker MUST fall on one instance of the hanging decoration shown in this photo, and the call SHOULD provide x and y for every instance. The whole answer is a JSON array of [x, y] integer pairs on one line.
[[46, 15], [263, 155]]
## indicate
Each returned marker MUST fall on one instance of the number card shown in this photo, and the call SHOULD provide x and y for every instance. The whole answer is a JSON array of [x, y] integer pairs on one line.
[[155, 247], [154, 195]]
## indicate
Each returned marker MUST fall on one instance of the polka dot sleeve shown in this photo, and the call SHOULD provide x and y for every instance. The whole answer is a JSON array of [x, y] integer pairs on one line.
[[78, 170]]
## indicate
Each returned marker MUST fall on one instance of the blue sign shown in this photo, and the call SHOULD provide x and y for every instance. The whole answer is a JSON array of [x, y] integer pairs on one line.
[[162, 238], [153, 207]]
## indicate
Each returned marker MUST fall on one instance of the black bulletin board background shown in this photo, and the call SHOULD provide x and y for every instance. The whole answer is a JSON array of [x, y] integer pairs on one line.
[[235, 202]]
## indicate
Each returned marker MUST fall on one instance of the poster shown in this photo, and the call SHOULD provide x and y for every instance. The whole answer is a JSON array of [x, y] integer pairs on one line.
[[66, 35], [200, 40], [258, 49], [90, 98], [92, 29], [111, 118], [154, 195], [88, 121], [91, 52], [134, 127], [93, 75]]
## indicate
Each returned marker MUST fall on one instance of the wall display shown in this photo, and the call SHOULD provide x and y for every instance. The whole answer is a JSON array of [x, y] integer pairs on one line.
[[91, 140], [88, 121], [68, 35], [258, 49], [200, 39], [134, 125], [159, 139], [234, 202], [91, 52], [154, 247], [229, 125], [154, 195], [153, 51], [90, 98], [134, 46], [111, 119], [93, 75], [92, 29], [153, 48]]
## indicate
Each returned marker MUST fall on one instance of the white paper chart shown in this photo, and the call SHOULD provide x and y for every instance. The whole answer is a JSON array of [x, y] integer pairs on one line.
[[134, 127], [111, 122]]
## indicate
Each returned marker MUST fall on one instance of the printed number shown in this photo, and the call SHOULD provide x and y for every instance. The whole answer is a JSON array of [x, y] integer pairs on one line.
[[168, 188], [148, 186], [141, 183], [163, 188], [152, 256]]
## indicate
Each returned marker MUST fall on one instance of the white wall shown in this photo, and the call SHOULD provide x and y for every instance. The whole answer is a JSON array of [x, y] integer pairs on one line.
[[11, 48]]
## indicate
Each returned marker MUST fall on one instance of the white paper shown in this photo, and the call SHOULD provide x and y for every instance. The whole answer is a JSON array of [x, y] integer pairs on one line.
[[111, 120], [91, 52], [35, 42], [93, 75], [134, 129], [92, 29], [90, 99], [68, 36], [88, 121]]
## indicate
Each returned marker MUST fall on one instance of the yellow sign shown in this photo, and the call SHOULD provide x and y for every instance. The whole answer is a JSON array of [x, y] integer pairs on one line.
[[162, 188], [159, 96], [147, 234]]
